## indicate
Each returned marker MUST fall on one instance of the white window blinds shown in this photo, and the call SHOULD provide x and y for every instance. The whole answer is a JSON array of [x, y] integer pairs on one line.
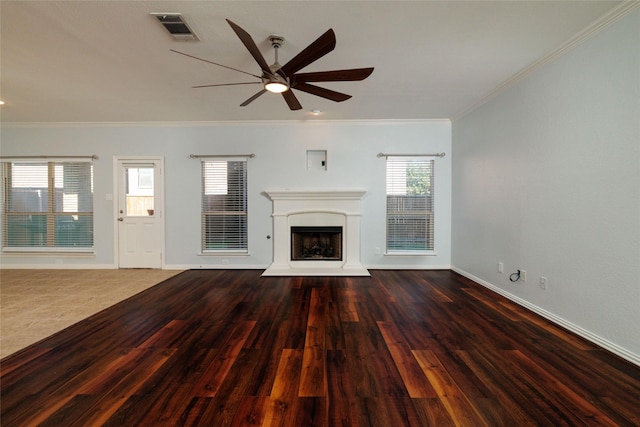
[[47, 204], [224, 205], [409, 204]]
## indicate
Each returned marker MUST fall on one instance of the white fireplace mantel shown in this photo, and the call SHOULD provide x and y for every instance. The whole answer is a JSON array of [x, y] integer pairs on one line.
[[316, 194], [316, 208]]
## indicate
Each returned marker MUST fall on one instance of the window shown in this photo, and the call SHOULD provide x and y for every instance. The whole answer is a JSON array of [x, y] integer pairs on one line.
[[409, 204], [47, 205], [224, 205]]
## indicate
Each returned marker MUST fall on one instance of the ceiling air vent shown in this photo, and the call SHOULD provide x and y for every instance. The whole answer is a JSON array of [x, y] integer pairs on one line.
[[176, 25]]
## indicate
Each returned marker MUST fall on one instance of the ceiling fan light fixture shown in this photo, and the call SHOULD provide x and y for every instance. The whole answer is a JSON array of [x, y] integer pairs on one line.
[[276, 86]]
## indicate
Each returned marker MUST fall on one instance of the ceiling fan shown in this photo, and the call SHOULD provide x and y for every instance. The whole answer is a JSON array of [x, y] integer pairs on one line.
[[282, 79]]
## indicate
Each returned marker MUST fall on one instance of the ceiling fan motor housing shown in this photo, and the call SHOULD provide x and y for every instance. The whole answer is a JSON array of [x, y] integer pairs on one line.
[[276, 41]]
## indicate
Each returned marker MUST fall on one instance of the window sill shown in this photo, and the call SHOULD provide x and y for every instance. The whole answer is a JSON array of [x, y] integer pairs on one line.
[[224, 253], [411, 253], [49, 251]]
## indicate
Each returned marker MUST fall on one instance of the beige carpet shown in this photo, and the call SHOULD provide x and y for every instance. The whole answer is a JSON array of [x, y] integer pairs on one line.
[[37, 303]]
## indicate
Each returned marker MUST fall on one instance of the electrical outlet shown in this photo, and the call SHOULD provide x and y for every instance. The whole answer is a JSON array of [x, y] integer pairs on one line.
[[543, 282], [500, 267], [377, 251], [523, 275]]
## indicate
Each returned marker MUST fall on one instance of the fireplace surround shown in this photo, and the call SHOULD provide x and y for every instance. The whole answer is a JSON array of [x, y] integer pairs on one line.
[[310, 209]]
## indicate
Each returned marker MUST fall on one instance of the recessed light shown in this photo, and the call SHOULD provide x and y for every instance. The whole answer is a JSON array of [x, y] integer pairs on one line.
[[1, 102], [316, 112]]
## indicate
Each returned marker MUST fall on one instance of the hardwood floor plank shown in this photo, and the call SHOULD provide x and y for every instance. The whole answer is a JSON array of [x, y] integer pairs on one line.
[[373, 371], [204, 372], [464, 376], [347, 303], [334, 335], [134, 411], [502, 387], [281, 410], [217, 371], [400, 348], [493, 304], [311, 411], [298, 316], [112, 387], [415, 381], [460, 409], [25, 356], [432, 413], [340, 391], [137, 375], [312, 377], [251, 412], [193, 411], [54, 387], [264, 373], [71, 413], [387, 411], [559, 392], [173, 384], [623, 411], [233, 392]]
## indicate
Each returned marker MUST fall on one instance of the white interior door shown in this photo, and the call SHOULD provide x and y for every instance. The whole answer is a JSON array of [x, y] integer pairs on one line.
[[139, 213]]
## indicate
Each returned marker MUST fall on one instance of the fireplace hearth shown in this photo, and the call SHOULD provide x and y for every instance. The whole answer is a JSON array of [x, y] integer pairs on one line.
[[316, 243]]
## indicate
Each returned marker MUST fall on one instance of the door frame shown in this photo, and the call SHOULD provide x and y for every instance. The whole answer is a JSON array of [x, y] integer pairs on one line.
[[158, 203]]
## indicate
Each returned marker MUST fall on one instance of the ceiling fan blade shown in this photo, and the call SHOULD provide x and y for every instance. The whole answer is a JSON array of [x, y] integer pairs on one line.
[[211, 62], [226, 84], [335, 75], [322, 92], [251, 46], [292, 101], [253, 98], [316, 50]]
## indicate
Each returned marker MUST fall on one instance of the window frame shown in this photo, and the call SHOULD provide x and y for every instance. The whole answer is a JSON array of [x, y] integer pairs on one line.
[[397, 194], [53, 230], [233, 242]]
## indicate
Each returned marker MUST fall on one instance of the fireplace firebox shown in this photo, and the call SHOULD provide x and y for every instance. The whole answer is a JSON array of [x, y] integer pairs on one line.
[[316, 243]]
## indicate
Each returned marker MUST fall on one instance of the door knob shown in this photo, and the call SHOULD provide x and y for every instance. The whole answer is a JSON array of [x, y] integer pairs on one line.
[[120, 219]]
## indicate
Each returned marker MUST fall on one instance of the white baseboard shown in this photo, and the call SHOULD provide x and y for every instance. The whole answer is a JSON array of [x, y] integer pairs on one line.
[[213, 267], [8, 266], [407, 267], [606, 344]]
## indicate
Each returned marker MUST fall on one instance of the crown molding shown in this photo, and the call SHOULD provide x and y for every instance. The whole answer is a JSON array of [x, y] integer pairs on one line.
[[224, 123]]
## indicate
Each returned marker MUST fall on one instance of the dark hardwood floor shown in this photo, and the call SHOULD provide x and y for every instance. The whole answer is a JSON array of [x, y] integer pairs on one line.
[[401, 348]]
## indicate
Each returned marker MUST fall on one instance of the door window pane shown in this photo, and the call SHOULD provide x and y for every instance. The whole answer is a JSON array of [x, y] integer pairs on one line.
[[139, 190]]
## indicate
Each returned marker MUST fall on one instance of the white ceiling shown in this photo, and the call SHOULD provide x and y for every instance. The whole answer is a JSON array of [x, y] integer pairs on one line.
[[109, 61]]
